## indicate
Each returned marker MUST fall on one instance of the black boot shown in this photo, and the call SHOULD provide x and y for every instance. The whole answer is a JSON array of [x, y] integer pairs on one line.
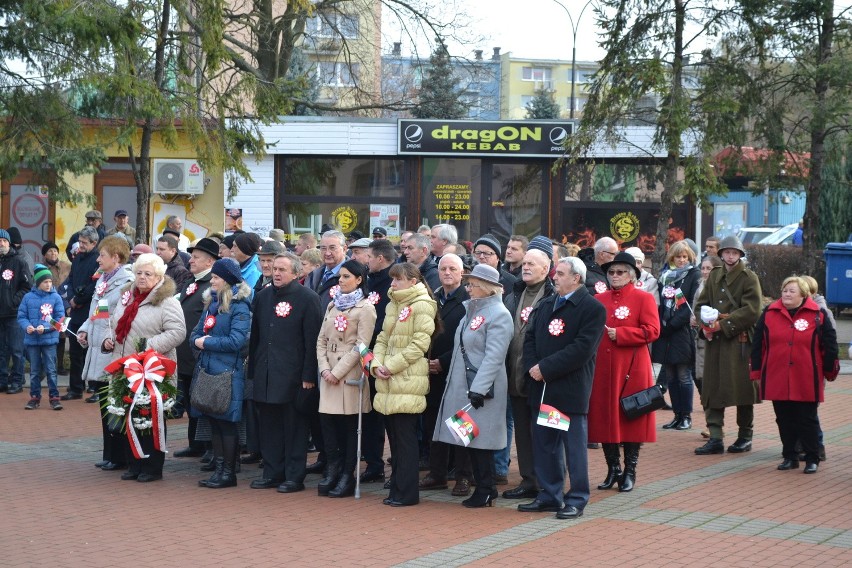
[[332, 476], [613, 462], [631, 458], [685, 422], [230, 451], [216, 464], [675, 421], [345, 487]]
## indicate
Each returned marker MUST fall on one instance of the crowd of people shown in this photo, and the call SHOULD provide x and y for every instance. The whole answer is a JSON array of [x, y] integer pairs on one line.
[[473, 345]]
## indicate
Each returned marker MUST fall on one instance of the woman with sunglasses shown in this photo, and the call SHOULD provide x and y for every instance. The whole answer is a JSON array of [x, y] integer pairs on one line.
[[623, 368]]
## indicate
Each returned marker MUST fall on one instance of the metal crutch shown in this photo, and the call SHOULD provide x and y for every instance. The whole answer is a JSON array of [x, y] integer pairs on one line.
[[360, 382]]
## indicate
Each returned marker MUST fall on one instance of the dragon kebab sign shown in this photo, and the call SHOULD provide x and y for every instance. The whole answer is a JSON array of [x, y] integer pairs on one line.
[[519, 139]]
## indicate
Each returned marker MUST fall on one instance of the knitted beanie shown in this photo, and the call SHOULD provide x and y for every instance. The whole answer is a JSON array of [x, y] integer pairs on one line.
[[247, 244], [4, 234], [543, 244], [47, 246], [41, 274], [228, 270], [491, 242]]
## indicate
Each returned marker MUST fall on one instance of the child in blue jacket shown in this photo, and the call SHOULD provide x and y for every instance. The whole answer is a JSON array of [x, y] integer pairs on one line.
[[41, 337]]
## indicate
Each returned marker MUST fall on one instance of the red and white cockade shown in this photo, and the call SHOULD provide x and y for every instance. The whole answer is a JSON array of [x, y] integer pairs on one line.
[[622, 312], [283, 309], [404, 313], [525, 314], [341, 323], [800, 324], [556, 327], [477, 322]]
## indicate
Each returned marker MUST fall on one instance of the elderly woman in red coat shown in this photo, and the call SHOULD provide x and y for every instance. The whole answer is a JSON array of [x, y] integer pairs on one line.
[[632, 324], [794, 348]]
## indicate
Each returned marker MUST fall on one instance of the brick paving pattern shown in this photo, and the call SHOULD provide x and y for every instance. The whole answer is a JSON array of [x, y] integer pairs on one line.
[[687, 510]]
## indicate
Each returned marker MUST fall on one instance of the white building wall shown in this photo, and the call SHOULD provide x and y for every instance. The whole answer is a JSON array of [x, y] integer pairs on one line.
[[256, 198]]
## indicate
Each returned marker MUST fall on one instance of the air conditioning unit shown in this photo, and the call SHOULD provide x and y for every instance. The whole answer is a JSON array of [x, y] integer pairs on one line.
[[178, 177]]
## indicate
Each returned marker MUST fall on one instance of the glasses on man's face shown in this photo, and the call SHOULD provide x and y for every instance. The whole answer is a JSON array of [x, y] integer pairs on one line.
[[332, 248], [609, 253], [484, 253], [614, 272]]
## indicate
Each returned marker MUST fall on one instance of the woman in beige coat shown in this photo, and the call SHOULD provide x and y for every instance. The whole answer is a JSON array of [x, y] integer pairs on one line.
[[349, 320], [147, 311]]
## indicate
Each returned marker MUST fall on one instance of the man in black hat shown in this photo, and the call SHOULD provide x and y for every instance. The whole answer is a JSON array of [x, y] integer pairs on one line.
[[122, 227], [265, 255], [202, 257], [244, 252], [18, 244], [380, 233]]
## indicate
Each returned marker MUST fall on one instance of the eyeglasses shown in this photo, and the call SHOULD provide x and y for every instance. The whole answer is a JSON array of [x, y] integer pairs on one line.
[[332, 248], [484, 253], [470, 285], [608, 252], [617, 272]]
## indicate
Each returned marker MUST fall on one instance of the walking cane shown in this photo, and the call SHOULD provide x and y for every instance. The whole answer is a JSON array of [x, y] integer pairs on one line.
[[360, 382]]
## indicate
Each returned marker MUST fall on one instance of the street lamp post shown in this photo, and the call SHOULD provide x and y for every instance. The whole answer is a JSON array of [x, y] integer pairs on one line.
[[574, 26]]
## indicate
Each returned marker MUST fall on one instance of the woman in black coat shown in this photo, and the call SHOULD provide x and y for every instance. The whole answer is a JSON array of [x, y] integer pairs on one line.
[[675, 349]]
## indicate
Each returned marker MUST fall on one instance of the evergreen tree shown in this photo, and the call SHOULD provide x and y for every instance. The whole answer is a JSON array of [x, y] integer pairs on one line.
[[440, 95], [836, 197], [543, 105]]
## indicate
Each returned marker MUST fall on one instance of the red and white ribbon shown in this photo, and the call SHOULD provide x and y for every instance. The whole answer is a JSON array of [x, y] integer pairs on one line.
[[125, 298], [143, 376], [668, 292], [8, 274]]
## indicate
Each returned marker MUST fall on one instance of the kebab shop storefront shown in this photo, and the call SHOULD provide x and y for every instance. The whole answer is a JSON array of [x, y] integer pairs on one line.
[[482, 177]]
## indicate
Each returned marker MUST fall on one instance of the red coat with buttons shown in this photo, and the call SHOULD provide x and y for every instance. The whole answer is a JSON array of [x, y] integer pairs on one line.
[[634, 315], [792, 353]]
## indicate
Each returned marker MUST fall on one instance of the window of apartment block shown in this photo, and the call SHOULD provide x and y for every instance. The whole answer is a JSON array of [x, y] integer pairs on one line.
[[526, 99], [338, 73], [536, 74], [579, 103], [333, 25], [583, 75]]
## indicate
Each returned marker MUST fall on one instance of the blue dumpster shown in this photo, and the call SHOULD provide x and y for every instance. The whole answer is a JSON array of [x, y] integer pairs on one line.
[[838, 274]]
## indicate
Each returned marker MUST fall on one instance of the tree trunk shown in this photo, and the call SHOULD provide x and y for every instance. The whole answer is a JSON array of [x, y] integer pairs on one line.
[[817, 135]]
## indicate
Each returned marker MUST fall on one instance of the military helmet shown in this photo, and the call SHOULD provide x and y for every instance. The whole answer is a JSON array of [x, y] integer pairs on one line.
[[731, 242]]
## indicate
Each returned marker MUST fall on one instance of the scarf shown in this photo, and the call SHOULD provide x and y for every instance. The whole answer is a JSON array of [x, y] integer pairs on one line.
[[122, 328], [672, 275], [107, 275], [345, 301], [213, 308]]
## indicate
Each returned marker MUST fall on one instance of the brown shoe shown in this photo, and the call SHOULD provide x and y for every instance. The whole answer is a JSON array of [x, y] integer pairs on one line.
[[501, 479], [461, 488], [430, 482]]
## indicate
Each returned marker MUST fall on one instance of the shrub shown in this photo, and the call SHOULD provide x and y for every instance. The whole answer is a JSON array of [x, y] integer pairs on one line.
[[774, 263]]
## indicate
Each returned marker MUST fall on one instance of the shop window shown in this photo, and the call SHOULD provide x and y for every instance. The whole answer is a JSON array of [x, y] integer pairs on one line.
[[298, 217], [515, 207], [452, 194], [339, 177]]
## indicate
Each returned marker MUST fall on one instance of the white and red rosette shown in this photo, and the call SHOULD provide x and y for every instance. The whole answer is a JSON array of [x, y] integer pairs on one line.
[[209, 322], [125, 298], [8, 274], [283, 309], [190, 290], [556, 327], [100, 288], [340, 322], [622, 312], [801, 324], [525, 314], [374, 297], [638, 284], [600, 287], [404, 313], [668, 292], [46, 309], [477, 322], [334, 291]]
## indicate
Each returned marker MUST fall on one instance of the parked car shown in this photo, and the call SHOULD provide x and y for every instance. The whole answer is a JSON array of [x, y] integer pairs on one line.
[[783, 236], [756, 234]]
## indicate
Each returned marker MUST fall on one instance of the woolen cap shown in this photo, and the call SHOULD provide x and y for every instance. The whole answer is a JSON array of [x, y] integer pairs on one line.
[[247, 244], [229, 241], [543, 244], [41, 273], [485, 273], [636, 253], [4, 234], [228, 270], [15, 236], [270, 248], [206, 245], [491, 242], [623, 258], [47, 246]]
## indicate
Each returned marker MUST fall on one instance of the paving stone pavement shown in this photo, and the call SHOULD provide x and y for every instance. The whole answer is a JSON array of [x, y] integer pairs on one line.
[[728, 510]]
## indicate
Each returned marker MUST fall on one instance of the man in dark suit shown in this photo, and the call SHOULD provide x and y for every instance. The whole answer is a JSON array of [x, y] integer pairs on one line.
[[380, 257], [81, 290], [202, 257], [324, 279], [286, 320], [559, 353]]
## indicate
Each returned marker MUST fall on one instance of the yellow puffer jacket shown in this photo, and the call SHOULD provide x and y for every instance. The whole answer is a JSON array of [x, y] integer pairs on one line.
[[401, 347]]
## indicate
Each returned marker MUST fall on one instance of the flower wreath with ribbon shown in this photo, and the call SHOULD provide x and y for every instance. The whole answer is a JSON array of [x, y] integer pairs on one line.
[[139, 394]]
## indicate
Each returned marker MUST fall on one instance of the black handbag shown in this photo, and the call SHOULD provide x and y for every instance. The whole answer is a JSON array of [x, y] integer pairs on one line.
[[642, 402], [211, 394], [469, 370]]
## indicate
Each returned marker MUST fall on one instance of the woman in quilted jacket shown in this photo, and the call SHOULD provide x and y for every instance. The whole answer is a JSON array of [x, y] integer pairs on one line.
[[402, 374]]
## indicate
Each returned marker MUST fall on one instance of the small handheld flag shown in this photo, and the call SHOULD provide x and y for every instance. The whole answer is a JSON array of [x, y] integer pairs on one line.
[[59, 325], [102, 311], [366, 357], [463, 426], [680, 299], [551, 417]]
